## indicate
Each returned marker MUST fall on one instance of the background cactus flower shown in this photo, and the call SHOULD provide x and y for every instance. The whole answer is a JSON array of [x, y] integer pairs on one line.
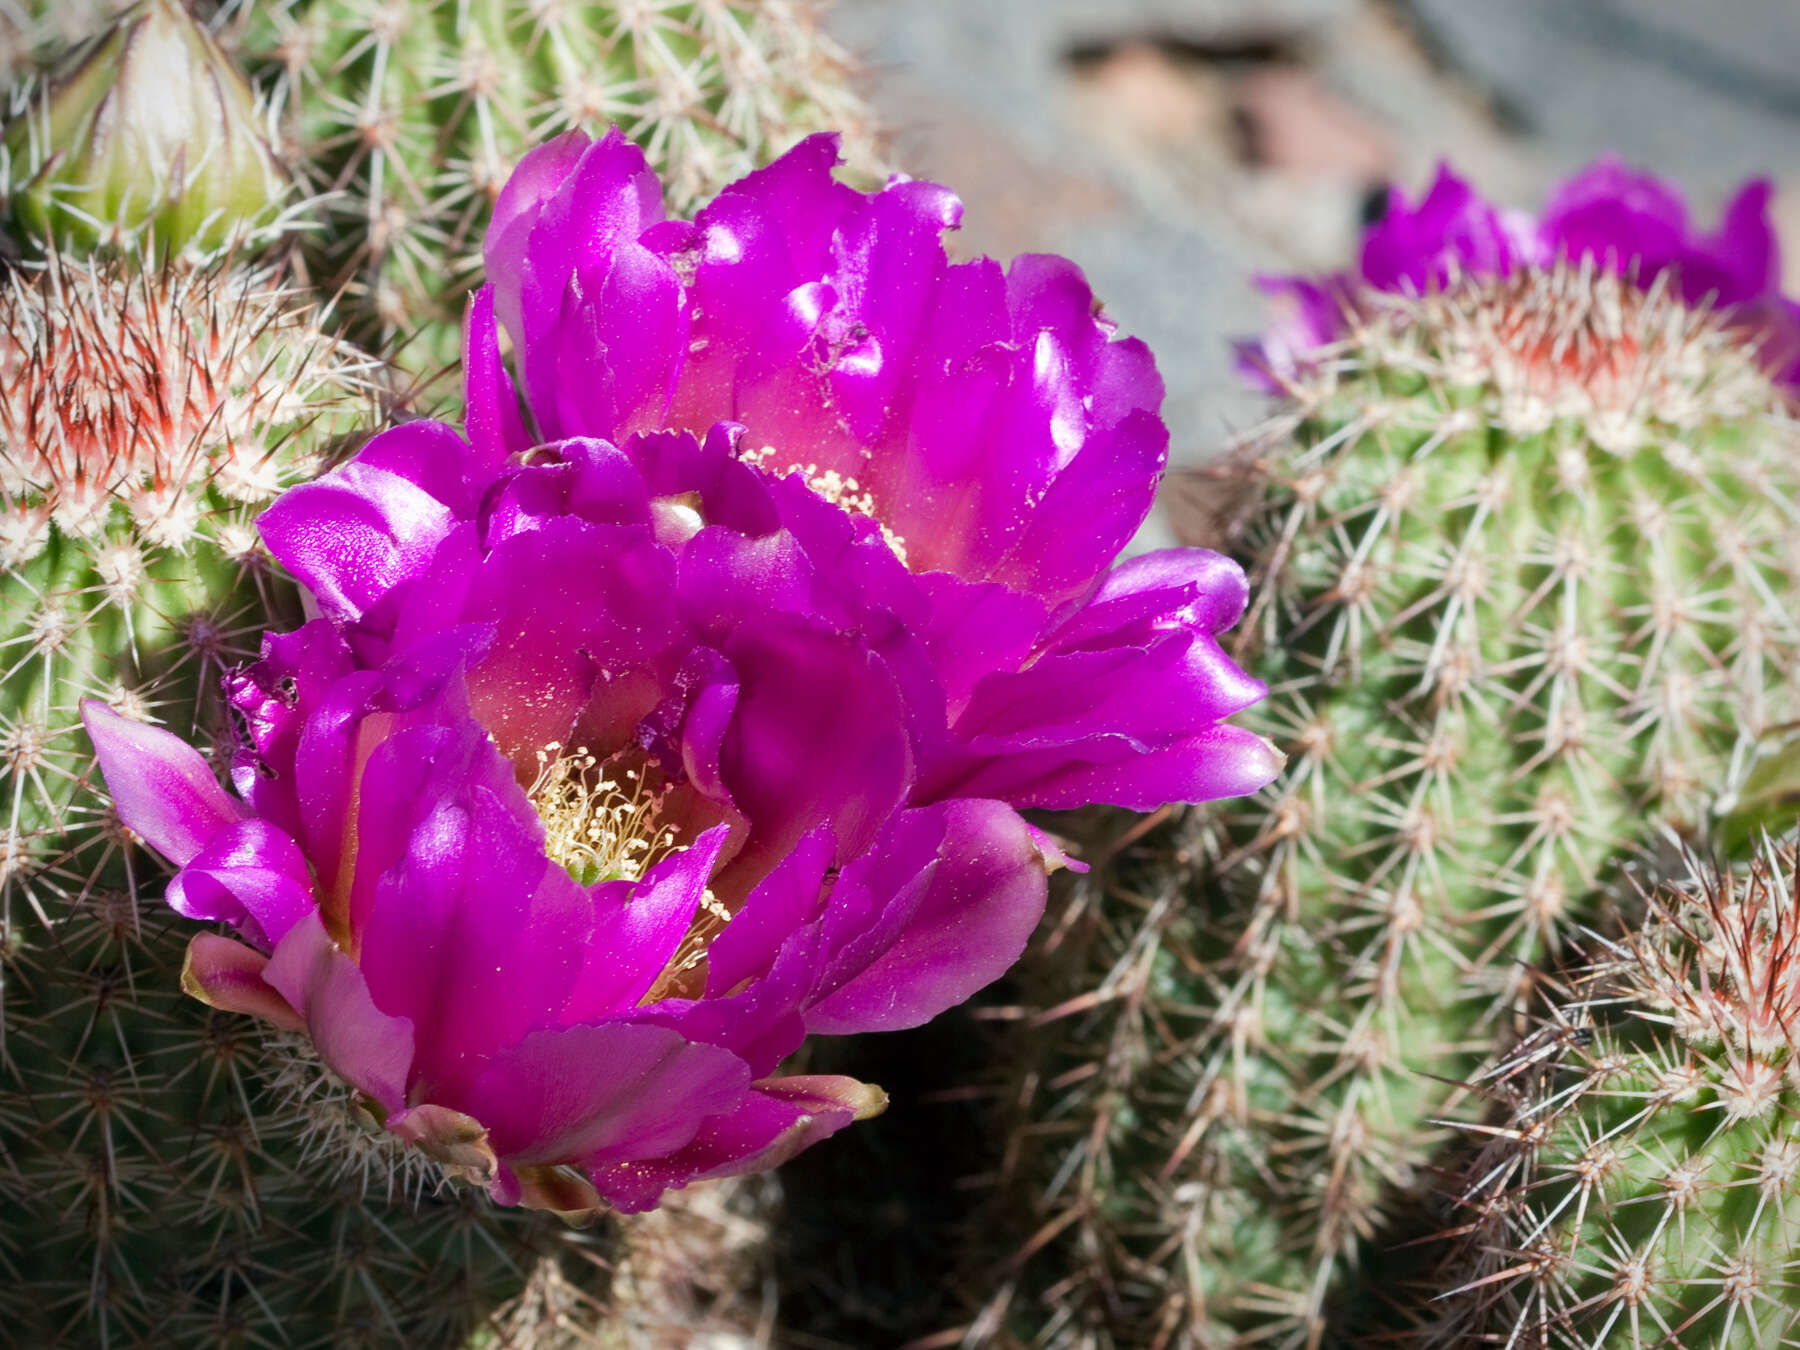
[[1627, 222], [621, 759]]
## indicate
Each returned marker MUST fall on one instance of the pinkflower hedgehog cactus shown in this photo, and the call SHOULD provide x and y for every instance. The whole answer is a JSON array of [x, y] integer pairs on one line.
[[1624, 221], [1523, 550], [623, 756]]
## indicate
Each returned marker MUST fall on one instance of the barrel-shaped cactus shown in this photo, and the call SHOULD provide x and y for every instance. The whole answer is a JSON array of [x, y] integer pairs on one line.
[[1640, 1184], [1523, 554]]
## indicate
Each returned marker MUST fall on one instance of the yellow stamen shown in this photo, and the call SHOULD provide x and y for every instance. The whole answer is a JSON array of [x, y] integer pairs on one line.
[[837, 488], [598, 826]]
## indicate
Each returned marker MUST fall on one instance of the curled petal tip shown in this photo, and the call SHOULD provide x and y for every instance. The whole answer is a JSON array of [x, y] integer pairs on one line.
[[870, 1100], [1264, 763], [560, 1190], [449, 1137], [228, 975]]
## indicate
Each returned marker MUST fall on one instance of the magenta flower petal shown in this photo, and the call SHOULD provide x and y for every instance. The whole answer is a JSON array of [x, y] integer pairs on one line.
[[250, 874], [1746, 248], [535, 179], [1615, 217], [161, 788], [1131, 674], [688, 708], [760, 1020], [274, 698], [1222, 761], [601, 1094], [356, 533], [979, 893], [777, 1120], [975, 630], [604, 367], [787, 899], [1417, 247], [1308, 315], [472, 937], [567, 601], [369, 1049], [496, 429], [638, 928], [818, 737], [324, 769]]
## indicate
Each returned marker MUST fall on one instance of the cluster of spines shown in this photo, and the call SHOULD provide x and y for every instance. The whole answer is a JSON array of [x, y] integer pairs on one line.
[[408, 117], [1638, 1182], [1523, 557], [146, 417]]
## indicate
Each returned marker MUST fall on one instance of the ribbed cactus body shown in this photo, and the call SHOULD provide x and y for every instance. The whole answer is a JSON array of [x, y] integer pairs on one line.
[[145, 418], [1641, 1183], [411, 114], [165, 1182], [159, 1194], [1522, 560]]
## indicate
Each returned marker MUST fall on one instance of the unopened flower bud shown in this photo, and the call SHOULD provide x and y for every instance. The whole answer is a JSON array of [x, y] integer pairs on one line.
[[153, 138]]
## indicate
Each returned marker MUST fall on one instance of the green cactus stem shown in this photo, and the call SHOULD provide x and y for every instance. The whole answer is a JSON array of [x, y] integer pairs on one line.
[[411, 114], [1640, 1185], [1523, 559]]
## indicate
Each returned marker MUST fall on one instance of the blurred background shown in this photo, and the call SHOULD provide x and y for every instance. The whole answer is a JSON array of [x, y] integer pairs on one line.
[[1174, 148]]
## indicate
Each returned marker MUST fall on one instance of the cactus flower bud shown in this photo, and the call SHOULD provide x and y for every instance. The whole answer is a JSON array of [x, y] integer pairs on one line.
[[152, 133]]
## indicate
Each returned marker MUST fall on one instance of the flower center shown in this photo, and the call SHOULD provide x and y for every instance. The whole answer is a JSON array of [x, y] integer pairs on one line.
[[839, 489], [600, 823]]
